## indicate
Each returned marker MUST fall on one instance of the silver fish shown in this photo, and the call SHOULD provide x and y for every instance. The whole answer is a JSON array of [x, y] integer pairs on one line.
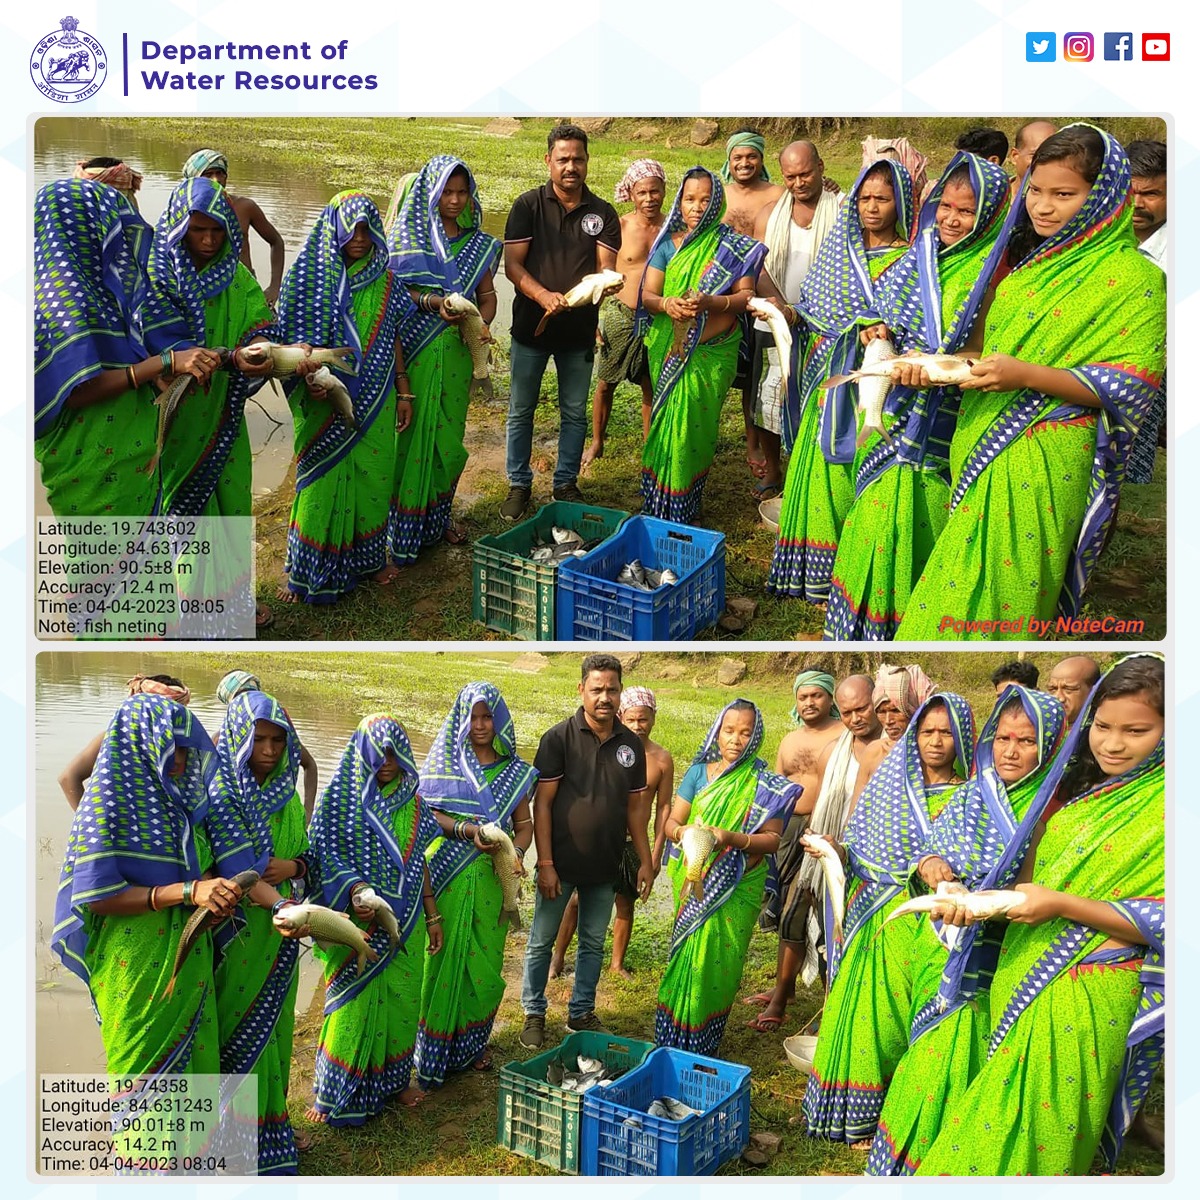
[[667, 1108], [591, 289], [873, 388], [555, 1072], [780, 333], [168, 403], [683, 326], [328, 927], [478, 339], [504, 863], [285, 359], [565, 536], [335, 393], [667, 577], [197, 923], [697, 842], [385, 918], [588, 1065], [835, 876], [633, 573], [981, 905]]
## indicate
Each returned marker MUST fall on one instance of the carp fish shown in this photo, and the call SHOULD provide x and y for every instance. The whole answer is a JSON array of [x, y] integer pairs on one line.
[[834, 873], [504, 862], [780, 333], [328, 927], [591, 289], [285, 359], [478, 339], [336, 393], [197, 923], [697, 842], [981, 905], [385, 918]]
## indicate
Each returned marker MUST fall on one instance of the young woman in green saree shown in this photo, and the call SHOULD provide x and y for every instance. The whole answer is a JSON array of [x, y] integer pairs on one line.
[[94, 415], [837, 300], [201, 295], [864, 1027], [473, 775], [972, 846], [136, 855], [930, 301], [370, 830], [731, 792], [1077, 1003], [1039, 452], [438, 248], [339, 292], [257, 823], [697, 282]]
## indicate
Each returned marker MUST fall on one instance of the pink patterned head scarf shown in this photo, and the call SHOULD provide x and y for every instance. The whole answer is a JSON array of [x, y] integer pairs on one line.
[[124, 179], [906, 687], [636, 697], [642, 168], [140, 684]]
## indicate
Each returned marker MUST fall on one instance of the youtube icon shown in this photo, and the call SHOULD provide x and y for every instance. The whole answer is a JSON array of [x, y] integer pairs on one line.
[[1156, 47]]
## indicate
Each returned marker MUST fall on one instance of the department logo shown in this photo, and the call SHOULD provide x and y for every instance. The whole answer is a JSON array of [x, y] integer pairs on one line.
[[592, 224], [68, 65], [625, 755], [1039, 47]]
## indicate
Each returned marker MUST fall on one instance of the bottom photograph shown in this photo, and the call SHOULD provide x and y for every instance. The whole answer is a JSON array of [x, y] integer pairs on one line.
[[477, 914]]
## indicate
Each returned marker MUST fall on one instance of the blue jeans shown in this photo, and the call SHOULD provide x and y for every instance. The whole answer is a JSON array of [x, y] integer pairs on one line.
[[574, 369], [595, 911]]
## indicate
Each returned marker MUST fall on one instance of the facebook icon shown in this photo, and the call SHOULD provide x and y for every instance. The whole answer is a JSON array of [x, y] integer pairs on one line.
[[1118, 46]]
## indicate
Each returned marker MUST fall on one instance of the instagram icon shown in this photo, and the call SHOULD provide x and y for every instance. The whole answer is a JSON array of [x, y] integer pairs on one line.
[[1077, 47]]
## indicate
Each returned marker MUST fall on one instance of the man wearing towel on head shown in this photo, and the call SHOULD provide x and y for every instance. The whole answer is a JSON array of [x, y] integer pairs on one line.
[[212, 164], [113, 172], [622, 355]]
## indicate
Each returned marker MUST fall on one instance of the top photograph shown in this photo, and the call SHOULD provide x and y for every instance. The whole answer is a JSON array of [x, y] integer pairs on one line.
[[606, 379]]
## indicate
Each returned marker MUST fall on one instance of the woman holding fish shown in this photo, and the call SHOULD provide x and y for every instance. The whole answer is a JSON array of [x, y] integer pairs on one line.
[[94, 412], [339, 292], [1039, 453], [864, 1029], [479, 789], [727, 819], [256, 823], [698, 280], [837, 300], [202, 295], [929, 302], [440, 253], [1079, 986], [134, 873], [370, 831], [973, 846]]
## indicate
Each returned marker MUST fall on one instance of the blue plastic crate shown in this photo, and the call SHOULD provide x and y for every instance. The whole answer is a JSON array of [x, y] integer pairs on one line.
[[620, 1138], [592, 606]]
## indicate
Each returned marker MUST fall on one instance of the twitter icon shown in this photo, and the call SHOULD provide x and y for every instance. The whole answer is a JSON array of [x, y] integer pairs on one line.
[[1039, 47]]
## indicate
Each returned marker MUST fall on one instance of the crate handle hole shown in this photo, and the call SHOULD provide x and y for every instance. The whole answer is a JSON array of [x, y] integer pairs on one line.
[[680, 537], [703, 1070]]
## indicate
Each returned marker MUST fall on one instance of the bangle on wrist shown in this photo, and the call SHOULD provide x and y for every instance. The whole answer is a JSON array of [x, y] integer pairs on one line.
[[280, 905], [167, 359], [545, 862], [189, 886], [130, 377], [436, 919], [150, 900]]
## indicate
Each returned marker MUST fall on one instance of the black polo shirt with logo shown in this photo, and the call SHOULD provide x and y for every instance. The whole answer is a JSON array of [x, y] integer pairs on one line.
[[562, 250], [591, 808]]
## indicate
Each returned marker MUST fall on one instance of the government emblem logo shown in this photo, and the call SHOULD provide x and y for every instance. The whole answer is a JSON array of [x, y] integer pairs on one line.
[[69, 65]]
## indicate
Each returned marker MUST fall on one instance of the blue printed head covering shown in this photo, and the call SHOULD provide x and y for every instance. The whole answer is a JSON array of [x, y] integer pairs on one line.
[[90, 257], [315, 300], [745, 138], [205, 160], [180, 291], [135, 825], [453, 778], [239, 822]]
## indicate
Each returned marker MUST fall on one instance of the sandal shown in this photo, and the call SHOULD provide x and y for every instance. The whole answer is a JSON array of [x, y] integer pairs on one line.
[[765, 1024], [483, 1062], [759, 999], [767, 491]]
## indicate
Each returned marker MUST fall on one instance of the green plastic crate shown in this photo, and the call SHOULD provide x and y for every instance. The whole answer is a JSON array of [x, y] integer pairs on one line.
[[512, 594], [540, 1121]]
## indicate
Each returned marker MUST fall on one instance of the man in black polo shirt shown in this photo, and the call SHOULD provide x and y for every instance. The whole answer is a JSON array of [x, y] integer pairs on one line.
[[591, 791], [556, 234]]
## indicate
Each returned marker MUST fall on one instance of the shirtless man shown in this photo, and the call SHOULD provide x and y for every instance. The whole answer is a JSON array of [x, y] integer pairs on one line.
[[622, 355], [212, 164], [1028, 138], [748, 191], [637, 712], [802, 757], [1070, 681]]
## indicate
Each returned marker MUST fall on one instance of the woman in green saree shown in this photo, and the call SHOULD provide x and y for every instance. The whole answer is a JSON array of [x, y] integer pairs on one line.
[[94, 415], [257, 823], [1077, 1003], [730, 791], [972, 847], [864, 1028], [473, 775], [370, 830], [697, 283], [201, 295], [438, 248], [1039, 452]]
